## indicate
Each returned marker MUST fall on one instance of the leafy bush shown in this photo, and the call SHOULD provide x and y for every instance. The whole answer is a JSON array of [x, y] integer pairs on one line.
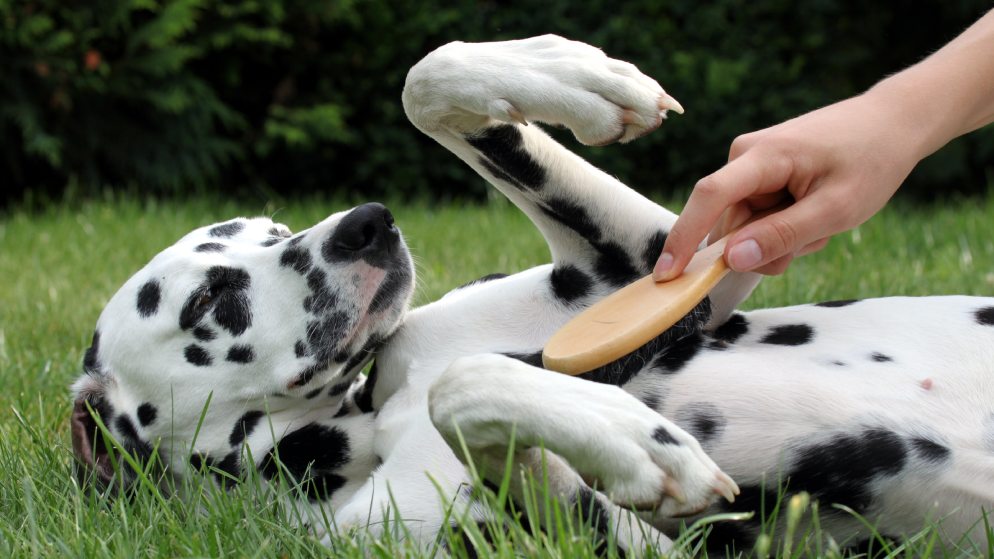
[[297, 96]]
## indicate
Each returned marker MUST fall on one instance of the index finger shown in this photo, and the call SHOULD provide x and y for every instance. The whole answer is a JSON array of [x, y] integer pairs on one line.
[[754, 172]]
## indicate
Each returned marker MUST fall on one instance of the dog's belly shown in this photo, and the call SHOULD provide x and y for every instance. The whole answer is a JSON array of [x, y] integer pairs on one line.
[[887, 407]]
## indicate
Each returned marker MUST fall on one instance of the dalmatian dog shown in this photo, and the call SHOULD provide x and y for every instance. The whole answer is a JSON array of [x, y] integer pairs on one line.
[[240, 349]]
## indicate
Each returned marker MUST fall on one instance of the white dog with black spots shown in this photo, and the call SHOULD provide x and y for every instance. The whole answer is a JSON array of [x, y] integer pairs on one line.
[[885, 406]]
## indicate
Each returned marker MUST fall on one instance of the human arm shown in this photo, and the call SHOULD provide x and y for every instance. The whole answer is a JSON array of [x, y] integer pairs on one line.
[[839, 164]]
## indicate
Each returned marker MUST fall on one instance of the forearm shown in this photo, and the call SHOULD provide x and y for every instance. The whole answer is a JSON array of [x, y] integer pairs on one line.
[[947, 94]]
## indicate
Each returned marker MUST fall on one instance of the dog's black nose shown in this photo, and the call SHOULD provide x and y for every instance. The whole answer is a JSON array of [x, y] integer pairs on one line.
[[364, 232]]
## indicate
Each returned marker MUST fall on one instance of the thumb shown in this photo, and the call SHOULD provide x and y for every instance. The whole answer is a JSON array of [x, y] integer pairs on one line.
[[780, 234]]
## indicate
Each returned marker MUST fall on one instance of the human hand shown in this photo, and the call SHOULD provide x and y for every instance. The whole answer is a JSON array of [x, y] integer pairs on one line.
[[837, 165]]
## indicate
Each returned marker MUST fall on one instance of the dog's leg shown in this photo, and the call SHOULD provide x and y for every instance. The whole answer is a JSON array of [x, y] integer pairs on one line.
[[477, 100], [638, 459]]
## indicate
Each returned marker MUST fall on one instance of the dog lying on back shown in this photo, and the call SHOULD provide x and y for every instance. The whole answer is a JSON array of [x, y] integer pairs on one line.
[[885, 406]]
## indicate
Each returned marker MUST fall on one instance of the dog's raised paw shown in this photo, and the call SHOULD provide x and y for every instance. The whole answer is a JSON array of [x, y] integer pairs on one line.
[[556, 81]]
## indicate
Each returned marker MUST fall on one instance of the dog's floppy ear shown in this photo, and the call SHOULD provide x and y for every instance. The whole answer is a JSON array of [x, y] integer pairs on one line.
[[99, 463], [94, 462]]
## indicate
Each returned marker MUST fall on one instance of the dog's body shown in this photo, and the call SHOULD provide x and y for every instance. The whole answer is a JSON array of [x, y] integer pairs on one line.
[[885, 406]]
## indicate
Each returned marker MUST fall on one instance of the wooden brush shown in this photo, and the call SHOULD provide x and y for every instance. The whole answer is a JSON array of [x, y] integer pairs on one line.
[[635, 314]]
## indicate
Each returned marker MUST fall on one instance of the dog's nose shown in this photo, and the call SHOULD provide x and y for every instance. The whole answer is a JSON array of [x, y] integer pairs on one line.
[[367, 229]]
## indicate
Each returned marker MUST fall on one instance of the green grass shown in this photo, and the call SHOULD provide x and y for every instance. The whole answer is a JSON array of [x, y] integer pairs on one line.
[[59, 265]]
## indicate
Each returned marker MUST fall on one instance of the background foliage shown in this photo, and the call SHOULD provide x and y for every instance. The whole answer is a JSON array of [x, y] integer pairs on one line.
[[290, 96]]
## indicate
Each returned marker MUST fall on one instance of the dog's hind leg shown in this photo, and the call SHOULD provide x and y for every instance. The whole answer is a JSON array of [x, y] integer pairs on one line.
[[477, 100]]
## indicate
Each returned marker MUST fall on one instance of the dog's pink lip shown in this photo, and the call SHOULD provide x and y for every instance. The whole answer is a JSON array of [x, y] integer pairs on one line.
[[367, 292]]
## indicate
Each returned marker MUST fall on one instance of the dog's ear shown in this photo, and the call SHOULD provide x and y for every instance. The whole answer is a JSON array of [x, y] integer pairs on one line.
[[94, 464], [99, 463], [728, 294]]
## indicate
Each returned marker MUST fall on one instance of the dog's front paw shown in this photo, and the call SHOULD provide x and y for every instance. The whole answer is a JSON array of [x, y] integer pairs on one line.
[[547, 79], [661, 467]]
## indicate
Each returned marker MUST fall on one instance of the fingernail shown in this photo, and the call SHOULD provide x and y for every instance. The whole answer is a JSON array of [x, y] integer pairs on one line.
[[745, 256], [663, 266]]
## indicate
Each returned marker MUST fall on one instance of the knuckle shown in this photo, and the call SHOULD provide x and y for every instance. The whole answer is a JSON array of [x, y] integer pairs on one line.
[[739, 145], [784, 234], [708, 187]]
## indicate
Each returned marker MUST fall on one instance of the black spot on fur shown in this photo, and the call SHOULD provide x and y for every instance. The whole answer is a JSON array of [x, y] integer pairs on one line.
[[133, 444], [197, 355], [573, 215], [227, 472], [396, 282], [297, 258], [321, 299], [502, 146], [306, 376], [244, 426], [364, 397], [270, 242], [653, 248], [91, 359], [484, 279], [339, 389], [324, 333], [789, 334], [204, 334], [703, 420], [210, 247], [734, 328], [880, 357], [839, 303], [311, 455], [365, 354], [930, 450], [226, 230], [499, 174], [148, 299], [147, 414], [843, 468], [569, 283], [662, 436], [129, 435], [985, 316], [838, 363], [224, 292], [300, 349], [592, 510], [614, 265], [679, 353], [232, 309], [313, 393], [279, 232], [240, 354]]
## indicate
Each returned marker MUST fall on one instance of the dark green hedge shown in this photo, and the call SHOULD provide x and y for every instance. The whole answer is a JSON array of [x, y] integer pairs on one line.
[[298, 96]]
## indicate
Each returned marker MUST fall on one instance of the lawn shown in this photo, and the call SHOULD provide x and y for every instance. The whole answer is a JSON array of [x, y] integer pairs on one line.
[[59, 265]]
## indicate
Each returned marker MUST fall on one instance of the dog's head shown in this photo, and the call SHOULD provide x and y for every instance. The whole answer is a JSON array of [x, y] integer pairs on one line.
[[242, 313]]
